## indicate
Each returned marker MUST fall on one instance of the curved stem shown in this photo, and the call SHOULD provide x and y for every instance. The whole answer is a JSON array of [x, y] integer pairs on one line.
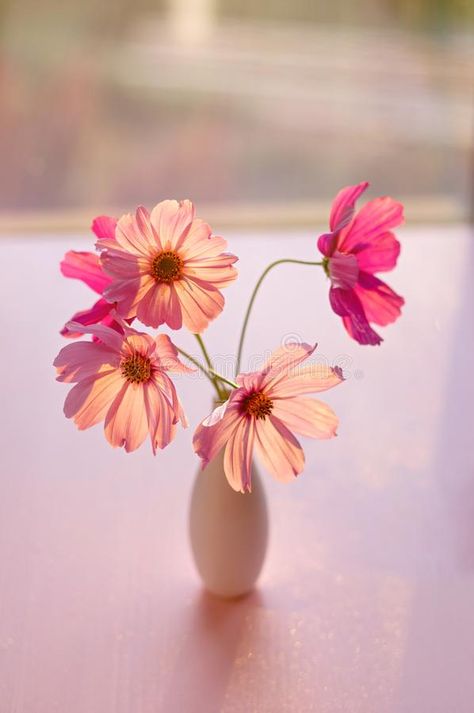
[[254, 295], [204, 350], [223, 378], [208, 361], [211, 374], [194, 361], [199, 366]]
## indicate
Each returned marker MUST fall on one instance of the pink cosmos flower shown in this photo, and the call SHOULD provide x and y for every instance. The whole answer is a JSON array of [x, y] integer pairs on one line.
[[357, 247], [167, 267], [123, 380], [85, 266], [262, 413]]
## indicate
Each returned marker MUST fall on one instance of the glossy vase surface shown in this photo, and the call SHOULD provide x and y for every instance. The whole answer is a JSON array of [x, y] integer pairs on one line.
[[228, 531]]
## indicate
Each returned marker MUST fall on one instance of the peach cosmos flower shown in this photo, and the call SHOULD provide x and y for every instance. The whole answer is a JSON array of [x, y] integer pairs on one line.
[[85, 266], [357, 247], [167, 267], [262, 413], [123, 381]]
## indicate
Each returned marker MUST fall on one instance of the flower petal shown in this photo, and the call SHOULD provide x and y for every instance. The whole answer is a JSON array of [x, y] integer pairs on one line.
[[288, 356], [128, 294], [216, 273], [171, 220], [121, 265], [342, 211], [251, 381], [130, 237], [174, 313], [378, 255], [278, 449], [126, 423], [374, 219], [380, 303], [327, 243], [160, 305], [109, 336], [168, 357], [167, 387], [309, 379], [200, 243], [84, 359], [283, 361], [146, 229], [181, 414], [238, 456], [343, 270], [113, 321], [208, 441], [220, 260], [104, 227], [200, 303], [85, 266], [138, 342], [89, 400], [151, 308], [94, 315], [343, 205], [347, 305], [216, 415], [161, 416], [308, 417]]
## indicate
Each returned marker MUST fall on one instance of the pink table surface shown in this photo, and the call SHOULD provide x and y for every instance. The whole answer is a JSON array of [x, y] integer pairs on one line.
[[366, 602]]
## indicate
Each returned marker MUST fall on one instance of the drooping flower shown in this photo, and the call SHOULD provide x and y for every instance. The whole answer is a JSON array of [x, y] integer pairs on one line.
[[357, 247], [123, 380], [167, 267], [85, 266], [262, 414]]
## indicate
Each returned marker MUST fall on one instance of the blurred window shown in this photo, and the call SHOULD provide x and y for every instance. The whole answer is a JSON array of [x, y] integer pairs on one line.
[[269, 107]]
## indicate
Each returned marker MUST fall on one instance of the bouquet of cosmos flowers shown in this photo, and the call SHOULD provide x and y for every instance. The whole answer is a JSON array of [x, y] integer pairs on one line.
[[166, 267]]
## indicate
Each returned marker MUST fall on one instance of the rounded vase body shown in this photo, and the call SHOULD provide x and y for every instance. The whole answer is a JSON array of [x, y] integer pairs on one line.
[[228, 531]]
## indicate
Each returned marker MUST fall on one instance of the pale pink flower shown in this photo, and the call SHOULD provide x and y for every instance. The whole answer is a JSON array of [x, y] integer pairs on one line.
[[358, 246], [123, 380], [167, 267], [262, 414], [85, 266]]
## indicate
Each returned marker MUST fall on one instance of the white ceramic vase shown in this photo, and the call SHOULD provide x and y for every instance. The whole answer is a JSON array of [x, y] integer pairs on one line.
[[228, 531]]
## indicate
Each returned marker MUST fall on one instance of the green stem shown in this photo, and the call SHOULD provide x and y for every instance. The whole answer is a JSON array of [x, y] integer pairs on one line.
[[223, 378], [205, 354], [208, 361], [211, 375], [254, 295], [196, 363]]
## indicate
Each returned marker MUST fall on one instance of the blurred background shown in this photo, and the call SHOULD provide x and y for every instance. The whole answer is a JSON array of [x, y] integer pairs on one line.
[[258, 111]]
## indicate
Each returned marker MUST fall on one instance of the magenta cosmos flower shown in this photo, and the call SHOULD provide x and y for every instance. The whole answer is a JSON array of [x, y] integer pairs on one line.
[[167, 267], [358, 246], [123, 380], [85, 266], [263, 412]]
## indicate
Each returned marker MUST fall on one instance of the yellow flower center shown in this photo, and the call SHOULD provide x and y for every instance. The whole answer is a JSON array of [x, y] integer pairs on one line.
[[257, 405], [167, 266], [136, 368]]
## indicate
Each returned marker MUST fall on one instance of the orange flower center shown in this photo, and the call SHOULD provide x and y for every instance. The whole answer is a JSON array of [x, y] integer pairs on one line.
[[136, 368], [167, 266], [257, 405]]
